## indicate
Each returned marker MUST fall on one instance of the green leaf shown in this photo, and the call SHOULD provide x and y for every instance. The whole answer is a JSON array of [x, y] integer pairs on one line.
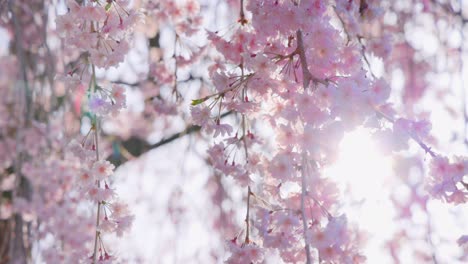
[[108, 6], [199, 101]]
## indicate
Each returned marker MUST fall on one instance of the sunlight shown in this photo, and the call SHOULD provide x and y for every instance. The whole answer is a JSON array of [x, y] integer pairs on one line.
[[363, 173], [361, 168]]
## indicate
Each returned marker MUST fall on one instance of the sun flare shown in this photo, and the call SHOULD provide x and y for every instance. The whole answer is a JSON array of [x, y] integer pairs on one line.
[[361, 168], [363, 172]]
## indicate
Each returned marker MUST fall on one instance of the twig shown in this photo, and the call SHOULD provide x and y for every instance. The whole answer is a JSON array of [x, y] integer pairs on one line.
[[304, 217], [305, 69], [174, 87], [98, 233], [462, 81], [243, 94], [306, 76], [417, 140], [247, 217], [363, 52], [98, 183], [242, 20]]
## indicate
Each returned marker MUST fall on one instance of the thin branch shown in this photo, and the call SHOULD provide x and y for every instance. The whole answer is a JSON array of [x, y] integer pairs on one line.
[[189, 130], [242, 20], [247, 217], [174, 56], [98, 183], [98, 233], [343, 25], [244, 95], [417, 140], [116, 159], [462, 81], [304, 217], [139, 83], [363, 52], [306, 75]]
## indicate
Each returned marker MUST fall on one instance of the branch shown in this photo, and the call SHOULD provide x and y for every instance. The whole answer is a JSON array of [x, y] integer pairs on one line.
[[304, 217], [143, 147], [416, 139], [305, 68], [242, 20], [136, 84], [247, 217], [98, 183], [189, 130], [306, 75]]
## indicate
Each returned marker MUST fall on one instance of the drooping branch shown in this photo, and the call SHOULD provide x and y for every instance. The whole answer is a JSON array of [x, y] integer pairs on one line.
[[306, 77], [98, 233]]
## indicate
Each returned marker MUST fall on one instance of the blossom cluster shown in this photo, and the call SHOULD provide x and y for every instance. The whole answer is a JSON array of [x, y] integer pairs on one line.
[[104, 102], [99, 28], [314, 74], [296, 66]]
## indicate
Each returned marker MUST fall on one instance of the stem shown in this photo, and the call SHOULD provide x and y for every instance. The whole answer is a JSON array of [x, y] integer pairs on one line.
[[247, 218], [462, 81], [18, 250], [96, 130], [305, 69], [243, 94], [306, 76], [174, 88], [242, 19], [304, 218], [366, 60]]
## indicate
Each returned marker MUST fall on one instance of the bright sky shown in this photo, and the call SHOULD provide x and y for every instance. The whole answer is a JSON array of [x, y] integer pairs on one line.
[[363, 170], [368, 174]]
